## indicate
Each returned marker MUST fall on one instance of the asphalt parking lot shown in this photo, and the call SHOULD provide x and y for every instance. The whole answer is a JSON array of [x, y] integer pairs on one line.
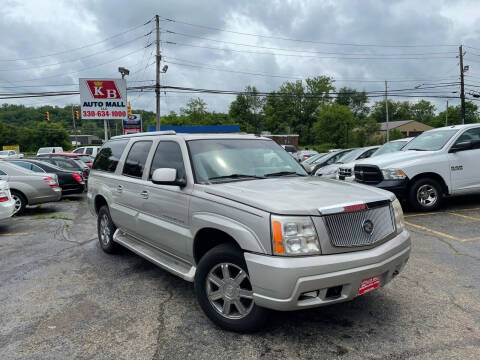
[[63, 298]]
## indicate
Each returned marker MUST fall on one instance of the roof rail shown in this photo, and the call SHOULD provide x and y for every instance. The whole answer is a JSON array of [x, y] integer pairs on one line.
[[150, 133]]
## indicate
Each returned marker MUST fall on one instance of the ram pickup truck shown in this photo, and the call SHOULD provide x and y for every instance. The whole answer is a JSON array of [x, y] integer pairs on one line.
[[436, 164], [251, 234]]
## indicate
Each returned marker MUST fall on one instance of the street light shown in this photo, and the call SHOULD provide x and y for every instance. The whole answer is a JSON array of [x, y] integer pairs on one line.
[[123, 71]]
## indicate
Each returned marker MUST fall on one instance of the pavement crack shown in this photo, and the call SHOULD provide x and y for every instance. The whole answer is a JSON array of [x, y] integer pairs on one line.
[[161, 321]]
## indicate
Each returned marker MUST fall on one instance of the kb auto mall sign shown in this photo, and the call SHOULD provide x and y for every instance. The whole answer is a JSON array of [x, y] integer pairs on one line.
[[103, 98]]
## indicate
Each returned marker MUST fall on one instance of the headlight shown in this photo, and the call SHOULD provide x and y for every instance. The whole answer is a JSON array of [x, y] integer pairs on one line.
[[294, 235], [398, 215], [393, 174]]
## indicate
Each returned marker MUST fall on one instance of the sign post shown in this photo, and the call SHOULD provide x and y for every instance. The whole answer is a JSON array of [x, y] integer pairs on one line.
[[132, 124], [103, 99]]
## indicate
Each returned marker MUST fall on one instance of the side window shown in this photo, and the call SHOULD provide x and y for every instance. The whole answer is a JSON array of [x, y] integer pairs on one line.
[[168, 155], [2, 173], [36, 168], [25, 165], [367, 154], [78, 151], [89, 151], [108, 157], [471, 134], [136, 159]]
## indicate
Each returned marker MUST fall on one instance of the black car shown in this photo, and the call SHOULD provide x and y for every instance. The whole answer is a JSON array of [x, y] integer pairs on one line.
[[71, 182], [67, 163]]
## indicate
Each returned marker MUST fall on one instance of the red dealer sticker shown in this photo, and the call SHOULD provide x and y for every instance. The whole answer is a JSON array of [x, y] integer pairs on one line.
[[103, 89], [369, 284]]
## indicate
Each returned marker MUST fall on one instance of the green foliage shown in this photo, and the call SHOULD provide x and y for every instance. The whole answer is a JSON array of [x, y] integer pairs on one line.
[[395, 134], [333, 124], [247, 110]]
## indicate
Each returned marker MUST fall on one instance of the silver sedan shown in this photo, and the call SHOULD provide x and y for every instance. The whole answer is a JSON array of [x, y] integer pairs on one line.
[[28, 187]]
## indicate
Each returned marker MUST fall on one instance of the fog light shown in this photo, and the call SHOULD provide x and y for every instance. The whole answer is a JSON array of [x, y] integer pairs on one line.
[[309, 295]]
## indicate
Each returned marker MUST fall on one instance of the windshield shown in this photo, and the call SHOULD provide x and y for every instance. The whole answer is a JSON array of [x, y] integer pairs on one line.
[[314, 158], [3, 152], [44, 150], [240, 159], [351, 156], [390, 147], [86, 158], [430, 140]]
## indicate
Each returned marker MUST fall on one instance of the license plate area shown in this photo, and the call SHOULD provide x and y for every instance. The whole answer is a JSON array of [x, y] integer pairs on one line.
[[368, 284]]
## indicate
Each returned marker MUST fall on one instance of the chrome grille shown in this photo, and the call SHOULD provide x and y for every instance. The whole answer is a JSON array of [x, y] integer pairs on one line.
[[345, 172], [347, 229]]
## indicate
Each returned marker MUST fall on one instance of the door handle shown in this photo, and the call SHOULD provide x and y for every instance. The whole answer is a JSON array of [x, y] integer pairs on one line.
[[144, 194], [119, 188]]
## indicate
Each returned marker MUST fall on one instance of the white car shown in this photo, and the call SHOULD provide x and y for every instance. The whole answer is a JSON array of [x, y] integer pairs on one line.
[[7, 204], [89, 150], [10, 154], [438, 163], [50, 150], [345, 172], [331, 171]]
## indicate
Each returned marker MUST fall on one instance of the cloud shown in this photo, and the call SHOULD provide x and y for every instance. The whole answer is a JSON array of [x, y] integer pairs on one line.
[[32, 29]]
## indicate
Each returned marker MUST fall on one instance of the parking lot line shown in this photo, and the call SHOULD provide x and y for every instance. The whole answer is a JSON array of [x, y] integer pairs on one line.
[[471, 239], [14, 234], [434, 231], [463, 216], [423, 214]]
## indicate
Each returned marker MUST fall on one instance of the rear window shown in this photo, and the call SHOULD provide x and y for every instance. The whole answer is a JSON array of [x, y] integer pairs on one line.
[[109, 155]]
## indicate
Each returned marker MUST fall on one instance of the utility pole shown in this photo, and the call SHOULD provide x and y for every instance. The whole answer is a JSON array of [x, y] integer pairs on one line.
[[446, 115], [462, 84], [157, 70], [74, 127], [386, 111]]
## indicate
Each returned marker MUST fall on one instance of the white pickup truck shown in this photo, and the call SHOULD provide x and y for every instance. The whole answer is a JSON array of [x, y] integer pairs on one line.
[[438, 163]]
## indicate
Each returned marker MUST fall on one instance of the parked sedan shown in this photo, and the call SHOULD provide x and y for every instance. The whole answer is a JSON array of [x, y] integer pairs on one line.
[[7, 204], [322, 161], [330, 171], [305, 154], [71, 182], [10, 154], [28, 187], [72, 163]]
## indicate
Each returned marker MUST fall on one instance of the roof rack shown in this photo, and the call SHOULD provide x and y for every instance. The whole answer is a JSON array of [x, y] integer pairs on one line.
[[151, 133]]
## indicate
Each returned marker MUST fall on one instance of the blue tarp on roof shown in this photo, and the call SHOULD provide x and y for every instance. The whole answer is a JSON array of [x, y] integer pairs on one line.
[[195, 129]]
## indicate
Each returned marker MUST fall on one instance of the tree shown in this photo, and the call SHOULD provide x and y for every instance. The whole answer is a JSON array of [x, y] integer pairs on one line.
[[333, 125], [423, 111], [455, 115], [196, 111], [397, 110], [355, 100], [295, 105], [247, 110]]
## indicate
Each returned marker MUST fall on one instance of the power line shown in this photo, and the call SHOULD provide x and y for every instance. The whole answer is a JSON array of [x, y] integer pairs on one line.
[[301, 40], [306, 56], [81, 47], [305, 51]]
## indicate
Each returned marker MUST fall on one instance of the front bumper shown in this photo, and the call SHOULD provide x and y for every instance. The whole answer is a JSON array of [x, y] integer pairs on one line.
[[279, 282], [398, 187]]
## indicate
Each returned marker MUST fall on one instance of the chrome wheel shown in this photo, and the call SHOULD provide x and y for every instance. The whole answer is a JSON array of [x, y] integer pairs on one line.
[[229, 291], [427, 195], [18, 203], [104, 230]]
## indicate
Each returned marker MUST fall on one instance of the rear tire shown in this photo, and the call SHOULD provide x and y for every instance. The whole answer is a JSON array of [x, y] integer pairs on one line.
[[106, 228], [425, 195], [20, 202], [224, 291]]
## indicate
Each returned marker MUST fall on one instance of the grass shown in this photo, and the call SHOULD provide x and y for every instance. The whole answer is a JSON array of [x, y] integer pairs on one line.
[[54, 216]]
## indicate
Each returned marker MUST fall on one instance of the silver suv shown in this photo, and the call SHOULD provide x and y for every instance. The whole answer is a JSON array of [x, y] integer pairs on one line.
[[251, 234]]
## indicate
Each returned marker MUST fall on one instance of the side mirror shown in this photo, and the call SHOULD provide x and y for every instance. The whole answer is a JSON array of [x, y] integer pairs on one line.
[[167, 176], [461, 146]]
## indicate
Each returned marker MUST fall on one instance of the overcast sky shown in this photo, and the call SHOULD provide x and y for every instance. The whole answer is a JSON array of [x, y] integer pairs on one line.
[[46, 43]]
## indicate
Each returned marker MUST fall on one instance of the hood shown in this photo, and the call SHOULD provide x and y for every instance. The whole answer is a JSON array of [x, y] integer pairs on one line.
[[329, 168], [296, 195], [349, 165], [397, 159]]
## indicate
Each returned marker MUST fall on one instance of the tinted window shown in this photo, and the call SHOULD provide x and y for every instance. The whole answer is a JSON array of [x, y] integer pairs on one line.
[[472, 135], [78, 151], [168, 155], [2, 173], [25, 165], [108, 157], [136, 159], [64, 163], [37, 168], [89, 151]]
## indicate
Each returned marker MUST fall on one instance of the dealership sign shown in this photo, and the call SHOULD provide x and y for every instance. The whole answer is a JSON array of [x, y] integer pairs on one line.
[[132, 124], [103, 98]]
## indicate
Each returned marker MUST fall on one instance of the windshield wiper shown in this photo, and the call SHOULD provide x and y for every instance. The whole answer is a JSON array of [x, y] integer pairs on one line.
[[284, 173], [236, 176], [415, 149]]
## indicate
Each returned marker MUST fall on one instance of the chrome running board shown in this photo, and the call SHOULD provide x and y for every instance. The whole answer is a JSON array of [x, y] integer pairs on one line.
[[159, 258]]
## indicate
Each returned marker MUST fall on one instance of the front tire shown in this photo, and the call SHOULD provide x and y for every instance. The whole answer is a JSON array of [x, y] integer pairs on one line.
[[425, 195], [224, 291], [106, 228]]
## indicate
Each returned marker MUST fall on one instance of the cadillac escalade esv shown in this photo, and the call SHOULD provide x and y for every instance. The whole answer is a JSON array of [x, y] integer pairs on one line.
[[251, 233]]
